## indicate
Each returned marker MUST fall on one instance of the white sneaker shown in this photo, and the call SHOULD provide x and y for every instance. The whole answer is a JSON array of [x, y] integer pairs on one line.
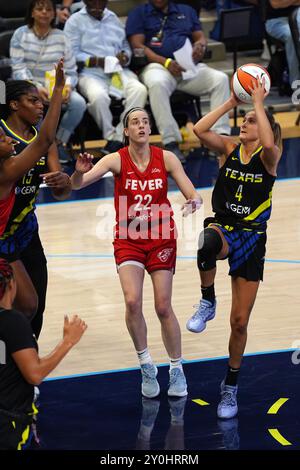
[[228, 407], [177, 384], [150, 386], [205, 311]]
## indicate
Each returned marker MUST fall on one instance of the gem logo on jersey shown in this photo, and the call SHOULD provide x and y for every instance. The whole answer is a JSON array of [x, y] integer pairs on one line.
[[165, 254]]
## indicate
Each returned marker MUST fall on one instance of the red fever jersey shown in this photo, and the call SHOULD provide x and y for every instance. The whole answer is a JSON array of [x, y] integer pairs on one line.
[[6, 206], [143, 211]]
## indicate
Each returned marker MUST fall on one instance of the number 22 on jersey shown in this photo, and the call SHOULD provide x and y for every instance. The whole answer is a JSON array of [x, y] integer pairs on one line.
[[143, 202]]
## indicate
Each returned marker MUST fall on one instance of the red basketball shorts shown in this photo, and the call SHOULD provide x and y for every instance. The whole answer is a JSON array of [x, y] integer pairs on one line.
[[151, 255]]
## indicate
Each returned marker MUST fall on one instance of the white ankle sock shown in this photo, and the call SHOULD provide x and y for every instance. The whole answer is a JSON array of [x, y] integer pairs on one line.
[[144, 357], [175, 363]]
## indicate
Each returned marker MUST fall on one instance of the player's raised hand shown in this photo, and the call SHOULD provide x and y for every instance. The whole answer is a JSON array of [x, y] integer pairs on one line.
[[84, 162], [258, 90], [59, 74]]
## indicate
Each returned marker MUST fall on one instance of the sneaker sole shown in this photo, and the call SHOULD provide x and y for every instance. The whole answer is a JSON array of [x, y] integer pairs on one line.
[[199, 331], [227, 417], [192, 330], [180, 394]]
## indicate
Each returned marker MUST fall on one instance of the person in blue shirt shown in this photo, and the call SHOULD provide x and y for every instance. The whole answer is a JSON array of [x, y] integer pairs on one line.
[[161, 27], [97, 35], [277, 26]]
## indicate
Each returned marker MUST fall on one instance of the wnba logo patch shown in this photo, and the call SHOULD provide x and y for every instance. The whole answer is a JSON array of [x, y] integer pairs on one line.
[[165, 254]]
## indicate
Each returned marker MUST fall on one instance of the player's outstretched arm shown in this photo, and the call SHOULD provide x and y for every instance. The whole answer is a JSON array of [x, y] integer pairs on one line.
[[175, 169], [14, 168], [218, 143], [33, 368], [86, 173]]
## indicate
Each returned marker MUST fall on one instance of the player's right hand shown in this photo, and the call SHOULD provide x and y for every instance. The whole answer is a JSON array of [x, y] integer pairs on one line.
[[234, 100]]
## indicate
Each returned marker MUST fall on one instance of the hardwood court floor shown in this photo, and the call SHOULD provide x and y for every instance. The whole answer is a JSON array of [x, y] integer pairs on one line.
[[83, 280]]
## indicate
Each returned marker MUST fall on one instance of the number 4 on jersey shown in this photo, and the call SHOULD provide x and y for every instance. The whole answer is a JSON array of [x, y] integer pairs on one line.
[[238, 194]]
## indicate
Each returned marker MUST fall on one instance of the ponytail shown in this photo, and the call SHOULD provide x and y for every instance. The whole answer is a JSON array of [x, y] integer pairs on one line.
[[276, 129]]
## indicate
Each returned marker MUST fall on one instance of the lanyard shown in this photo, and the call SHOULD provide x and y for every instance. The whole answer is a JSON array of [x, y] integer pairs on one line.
[[159, 35]]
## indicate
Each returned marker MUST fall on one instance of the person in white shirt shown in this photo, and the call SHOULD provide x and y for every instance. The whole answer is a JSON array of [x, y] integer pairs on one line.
[[34, 48], [96, 33]]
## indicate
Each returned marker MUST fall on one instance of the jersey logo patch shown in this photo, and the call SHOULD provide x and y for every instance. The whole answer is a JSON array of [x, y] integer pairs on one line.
[[165, 254]]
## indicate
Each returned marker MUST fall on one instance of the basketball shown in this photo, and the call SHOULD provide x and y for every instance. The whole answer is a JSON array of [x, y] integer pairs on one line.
[[242, 81]]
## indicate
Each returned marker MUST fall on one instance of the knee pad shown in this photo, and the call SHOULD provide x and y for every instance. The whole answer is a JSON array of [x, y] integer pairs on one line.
[[210, 244]]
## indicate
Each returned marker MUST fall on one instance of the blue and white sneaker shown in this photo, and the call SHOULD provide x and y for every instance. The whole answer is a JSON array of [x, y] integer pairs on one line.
[[230, 431], [205, 311], [228, 407], [177, 384], [177, 407], [149, 415], [150, 386]]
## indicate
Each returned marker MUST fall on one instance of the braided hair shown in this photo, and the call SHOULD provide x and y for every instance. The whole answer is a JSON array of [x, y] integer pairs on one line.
[[14, 89], [126, 119], [6, 274]]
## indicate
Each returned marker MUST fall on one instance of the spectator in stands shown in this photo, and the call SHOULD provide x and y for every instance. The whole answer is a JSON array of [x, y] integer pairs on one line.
[[277, 26], [34, 48], [161, 27], [97, 34], [64, 11]]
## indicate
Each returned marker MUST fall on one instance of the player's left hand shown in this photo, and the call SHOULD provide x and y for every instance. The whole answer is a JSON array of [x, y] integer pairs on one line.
[[191, 205], [56, 179], [258, 91]]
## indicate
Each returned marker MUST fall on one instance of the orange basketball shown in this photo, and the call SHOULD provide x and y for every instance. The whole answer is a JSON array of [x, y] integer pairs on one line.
[[242, 81]]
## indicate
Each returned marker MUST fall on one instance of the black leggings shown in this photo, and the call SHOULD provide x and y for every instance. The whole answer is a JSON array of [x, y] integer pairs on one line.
[[35, 263]]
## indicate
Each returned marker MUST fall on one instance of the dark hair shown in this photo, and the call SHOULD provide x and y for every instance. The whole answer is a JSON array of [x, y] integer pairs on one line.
[[29, 20], [276, 129], [126, 118], [14, 89], [6, 274]]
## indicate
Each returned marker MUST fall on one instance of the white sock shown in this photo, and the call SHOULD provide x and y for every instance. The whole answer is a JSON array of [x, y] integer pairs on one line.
[[144, 357], [175, 363]]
